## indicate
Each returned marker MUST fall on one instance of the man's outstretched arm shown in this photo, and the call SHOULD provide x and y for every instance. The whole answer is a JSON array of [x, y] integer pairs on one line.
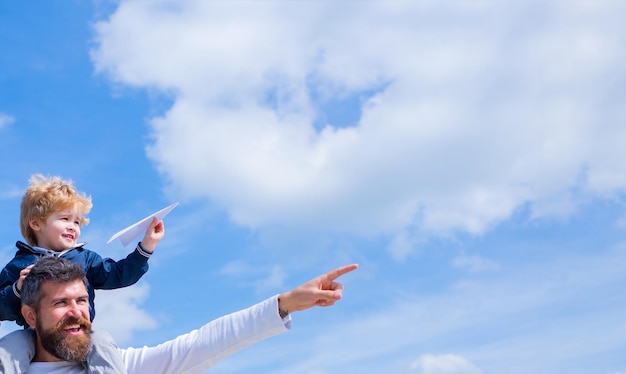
[[201, 349]]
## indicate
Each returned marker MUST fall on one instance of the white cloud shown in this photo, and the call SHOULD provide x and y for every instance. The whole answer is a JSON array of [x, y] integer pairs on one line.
[[10, 191], [235, 268], [119, 312], [474, 263], [5, 120], [559, 315], [444, 364], [401, 245], [274, 281], [262, 279], [478, 109]]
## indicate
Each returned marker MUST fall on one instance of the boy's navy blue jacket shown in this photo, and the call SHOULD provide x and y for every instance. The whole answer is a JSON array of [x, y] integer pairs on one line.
[[102, 273]]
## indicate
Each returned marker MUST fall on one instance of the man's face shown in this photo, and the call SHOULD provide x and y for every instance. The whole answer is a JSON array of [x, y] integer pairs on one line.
[[59, 231], [62, 322]]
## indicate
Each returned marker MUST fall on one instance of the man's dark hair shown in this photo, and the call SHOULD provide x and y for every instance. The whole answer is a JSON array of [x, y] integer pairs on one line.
[[53, 269]]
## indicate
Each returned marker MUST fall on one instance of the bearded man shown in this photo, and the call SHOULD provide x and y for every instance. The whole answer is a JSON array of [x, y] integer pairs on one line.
[[55, 303]]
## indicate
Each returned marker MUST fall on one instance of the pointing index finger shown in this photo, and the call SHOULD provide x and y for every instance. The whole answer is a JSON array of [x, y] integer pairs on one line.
[[334, 274]]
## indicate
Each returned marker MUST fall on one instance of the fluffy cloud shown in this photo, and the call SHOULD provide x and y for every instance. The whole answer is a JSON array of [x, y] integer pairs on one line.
[[5, 120], [462, 117], [10, 191], [119, 312], [474, 263], [559, 315], [444, 364]]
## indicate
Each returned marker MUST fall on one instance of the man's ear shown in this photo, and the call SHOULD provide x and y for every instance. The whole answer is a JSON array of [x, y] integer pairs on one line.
[[29, 315]]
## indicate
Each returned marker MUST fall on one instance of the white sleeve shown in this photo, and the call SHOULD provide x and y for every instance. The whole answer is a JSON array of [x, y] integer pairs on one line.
[[201, 349]]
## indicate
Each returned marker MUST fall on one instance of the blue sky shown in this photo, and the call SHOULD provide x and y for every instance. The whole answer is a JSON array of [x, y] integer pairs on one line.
[[465, 154]]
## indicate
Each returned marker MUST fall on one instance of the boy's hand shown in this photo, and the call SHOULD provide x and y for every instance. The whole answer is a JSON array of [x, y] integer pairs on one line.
[[23, 275], [154, 234]]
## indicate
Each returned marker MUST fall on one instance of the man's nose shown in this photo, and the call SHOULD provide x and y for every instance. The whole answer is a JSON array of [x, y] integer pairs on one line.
[[74, 309]]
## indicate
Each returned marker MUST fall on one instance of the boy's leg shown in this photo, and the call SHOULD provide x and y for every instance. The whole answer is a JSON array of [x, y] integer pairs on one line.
[[104, 357], [17, 349]]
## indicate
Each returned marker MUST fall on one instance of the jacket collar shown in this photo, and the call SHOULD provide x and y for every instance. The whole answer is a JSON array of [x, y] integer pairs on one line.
[[23, 247]]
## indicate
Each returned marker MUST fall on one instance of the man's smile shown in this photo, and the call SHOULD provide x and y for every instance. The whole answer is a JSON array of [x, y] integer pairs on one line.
[[73, 329]]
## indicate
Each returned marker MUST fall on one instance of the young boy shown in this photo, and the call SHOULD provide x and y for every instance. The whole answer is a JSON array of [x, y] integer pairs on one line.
[[52, 214]]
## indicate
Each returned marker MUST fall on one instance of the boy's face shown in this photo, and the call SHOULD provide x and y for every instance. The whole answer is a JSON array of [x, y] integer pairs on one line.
[[59, 231]]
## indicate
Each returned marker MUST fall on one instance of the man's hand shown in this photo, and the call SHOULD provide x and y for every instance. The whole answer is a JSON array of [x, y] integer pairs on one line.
[[154, 234], [321, 291]]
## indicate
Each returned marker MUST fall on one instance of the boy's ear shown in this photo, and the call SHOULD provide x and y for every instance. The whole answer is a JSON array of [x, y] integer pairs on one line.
[[29, 315], [34, 224]]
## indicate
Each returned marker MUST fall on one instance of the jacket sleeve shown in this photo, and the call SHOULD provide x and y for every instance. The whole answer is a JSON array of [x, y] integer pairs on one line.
[[10, 303], [107, 274], [201, 349]]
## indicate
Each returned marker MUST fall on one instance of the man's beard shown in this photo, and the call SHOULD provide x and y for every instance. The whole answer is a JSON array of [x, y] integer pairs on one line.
[[67, 347]]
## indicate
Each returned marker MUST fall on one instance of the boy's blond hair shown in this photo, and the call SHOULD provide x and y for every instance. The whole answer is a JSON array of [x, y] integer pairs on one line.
[[45, 196]]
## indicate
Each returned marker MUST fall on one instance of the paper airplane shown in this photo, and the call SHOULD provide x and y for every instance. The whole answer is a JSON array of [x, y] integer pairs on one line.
[[130, 233]]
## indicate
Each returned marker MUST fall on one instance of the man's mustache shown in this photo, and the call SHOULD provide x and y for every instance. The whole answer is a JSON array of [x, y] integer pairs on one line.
[[68, 322]]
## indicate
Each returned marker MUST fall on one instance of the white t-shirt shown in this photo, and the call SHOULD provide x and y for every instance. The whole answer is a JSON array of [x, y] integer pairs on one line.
[[61, 367], [197, 350]]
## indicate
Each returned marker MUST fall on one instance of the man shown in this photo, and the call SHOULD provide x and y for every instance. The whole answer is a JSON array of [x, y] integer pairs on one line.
[[56, 305]]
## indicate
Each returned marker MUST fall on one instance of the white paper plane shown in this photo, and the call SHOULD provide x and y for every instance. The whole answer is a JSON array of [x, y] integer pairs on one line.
[[129, 234]]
